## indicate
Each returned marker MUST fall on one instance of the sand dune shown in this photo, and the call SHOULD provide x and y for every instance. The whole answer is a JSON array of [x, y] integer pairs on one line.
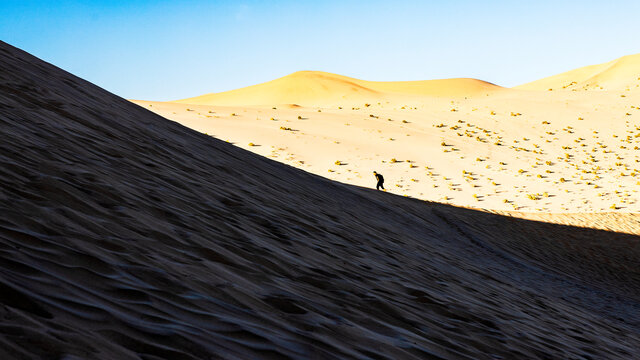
[[314, 88], [127, 236], [500, 149], [529, 151], [613, 75]]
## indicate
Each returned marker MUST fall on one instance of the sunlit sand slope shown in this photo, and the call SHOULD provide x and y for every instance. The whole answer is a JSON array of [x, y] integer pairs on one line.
[[530, 151], [613, 75], [316, 88], [127, 236]]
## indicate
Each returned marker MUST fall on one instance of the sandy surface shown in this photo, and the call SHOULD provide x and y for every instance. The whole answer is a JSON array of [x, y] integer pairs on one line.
[[127, 236], [570, 150]]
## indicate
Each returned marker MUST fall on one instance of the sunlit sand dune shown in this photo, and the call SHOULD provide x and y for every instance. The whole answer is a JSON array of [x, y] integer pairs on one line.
[[315, 88], [501, 149], [459, 87], [127, 236], [617, 74]]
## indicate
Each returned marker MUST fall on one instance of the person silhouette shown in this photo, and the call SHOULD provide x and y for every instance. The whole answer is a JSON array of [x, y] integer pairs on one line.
[[380, 179]]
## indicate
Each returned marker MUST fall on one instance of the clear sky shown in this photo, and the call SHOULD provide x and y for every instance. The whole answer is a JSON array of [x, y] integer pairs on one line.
[[163, 50]]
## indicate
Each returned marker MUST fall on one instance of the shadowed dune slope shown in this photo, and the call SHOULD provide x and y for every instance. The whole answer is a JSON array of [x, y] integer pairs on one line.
[[616, 74], [320, 88], [127, 236]]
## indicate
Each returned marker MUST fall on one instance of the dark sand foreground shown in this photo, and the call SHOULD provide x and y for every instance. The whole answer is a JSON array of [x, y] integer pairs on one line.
[[127, 236]]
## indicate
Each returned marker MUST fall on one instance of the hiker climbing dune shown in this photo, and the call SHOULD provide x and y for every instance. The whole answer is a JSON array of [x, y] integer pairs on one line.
[[380, 178]]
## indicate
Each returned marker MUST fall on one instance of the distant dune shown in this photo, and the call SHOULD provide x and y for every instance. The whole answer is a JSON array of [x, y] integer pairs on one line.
[[127, 236], [314, 88], [616, 74], [493, 148], [317, 88]]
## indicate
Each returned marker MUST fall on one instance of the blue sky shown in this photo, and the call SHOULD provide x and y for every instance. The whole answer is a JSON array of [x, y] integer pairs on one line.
[[163, 50]]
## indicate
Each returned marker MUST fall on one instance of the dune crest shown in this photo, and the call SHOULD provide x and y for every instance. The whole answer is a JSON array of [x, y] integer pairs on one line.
[[318, 88], [616, 74]]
